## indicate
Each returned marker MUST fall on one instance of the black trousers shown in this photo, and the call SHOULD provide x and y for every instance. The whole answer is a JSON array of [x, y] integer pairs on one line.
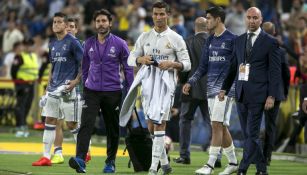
[[24, 96], [250, 116], [270, 130], [187, 112], [109, 103]]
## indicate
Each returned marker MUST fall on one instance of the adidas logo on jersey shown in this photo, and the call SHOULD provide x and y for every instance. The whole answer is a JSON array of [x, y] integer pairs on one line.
[[91, 49]]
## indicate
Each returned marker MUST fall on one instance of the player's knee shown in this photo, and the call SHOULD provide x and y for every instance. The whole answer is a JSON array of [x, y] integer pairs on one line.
[[71, 125], [51, 120], [216, 125], [160, 127]]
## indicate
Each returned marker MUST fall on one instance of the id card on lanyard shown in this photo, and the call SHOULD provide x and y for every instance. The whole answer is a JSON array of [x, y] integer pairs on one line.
[[244, 72]]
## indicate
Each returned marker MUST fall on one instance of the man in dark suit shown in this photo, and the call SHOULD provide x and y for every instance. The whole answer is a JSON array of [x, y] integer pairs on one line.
[[256, 66], [198, 96], [271, 115]]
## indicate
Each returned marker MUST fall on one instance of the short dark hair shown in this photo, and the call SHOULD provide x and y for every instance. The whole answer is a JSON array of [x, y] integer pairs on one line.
[[28, 42], [102, 12], [16, 44], [74, 20], [61, 15], [217, 11], [160, 5]]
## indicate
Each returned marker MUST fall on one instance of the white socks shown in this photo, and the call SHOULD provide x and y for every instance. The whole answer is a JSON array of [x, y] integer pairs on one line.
[[157, 149], [213, 152], [48, 139], [75, 133], [163, 159], [58, 150], [89, 146], [230, 154]]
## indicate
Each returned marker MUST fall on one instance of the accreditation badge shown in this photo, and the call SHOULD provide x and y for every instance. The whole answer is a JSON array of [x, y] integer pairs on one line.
[[244, 72]]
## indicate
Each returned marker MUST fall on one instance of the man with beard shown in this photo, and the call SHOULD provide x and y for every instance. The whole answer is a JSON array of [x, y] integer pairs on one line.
[[104, 55]]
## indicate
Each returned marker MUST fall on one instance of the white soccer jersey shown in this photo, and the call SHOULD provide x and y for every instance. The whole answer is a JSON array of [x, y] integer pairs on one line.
[[167, 45], [158, 85]]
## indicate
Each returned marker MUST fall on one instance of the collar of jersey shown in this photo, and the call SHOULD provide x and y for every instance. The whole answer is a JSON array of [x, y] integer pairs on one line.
[[162, 33], [106, 38]]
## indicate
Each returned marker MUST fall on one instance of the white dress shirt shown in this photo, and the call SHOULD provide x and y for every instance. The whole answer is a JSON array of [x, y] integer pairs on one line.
[[255, 36]]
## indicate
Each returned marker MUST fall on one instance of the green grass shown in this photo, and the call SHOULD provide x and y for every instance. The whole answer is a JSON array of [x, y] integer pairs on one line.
[[19, 164], [12, 164]]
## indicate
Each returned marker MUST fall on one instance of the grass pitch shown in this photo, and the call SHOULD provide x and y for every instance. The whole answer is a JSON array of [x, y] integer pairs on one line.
[[20, 162]]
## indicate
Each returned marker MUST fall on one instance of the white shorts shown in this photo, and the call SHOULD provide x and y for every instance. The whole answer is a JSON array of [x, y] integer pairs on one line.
[[63, 108], [165, 116], [220, 111]]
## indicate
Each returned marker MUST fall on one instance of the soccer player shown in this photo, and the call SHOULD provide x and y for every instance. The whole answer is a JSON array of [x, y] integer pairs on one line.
[[72, 28], [104, 56], [65, 54], [215, 63], [160, 52]]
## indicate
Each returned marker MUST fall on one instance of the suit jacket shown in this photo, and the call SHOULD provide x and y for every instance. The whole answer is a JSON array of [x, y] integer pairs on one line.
[[195, 45], [265, 69], [285, 75]]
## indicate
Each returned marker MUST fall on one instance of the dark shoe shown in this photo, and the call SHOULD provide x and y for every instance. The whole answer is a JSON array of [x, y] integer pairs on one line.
[[261, 173], [182, 160], [241, 172], [268, 162], [165, 169], [218, 164], [77, 164], [109, 167]]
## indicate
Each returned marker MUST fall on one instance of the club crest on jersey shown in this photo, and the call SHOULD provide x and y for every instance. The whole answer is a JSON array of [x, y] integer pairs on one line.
[[223, 45], [112, 52], [210, 46], [168, 45], [64, 47]]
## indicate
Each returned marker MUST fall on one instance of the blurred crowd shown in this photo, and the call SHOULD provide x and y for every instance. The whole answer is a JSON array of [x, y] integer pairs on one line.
[[26, 25], [31, 19]]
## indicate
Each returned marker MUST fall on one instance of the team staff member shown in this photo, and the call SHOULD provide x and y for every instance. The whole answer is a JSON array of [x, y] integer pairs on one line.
[[104, 55], [256, 67], [24, 72], [271, 115]]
